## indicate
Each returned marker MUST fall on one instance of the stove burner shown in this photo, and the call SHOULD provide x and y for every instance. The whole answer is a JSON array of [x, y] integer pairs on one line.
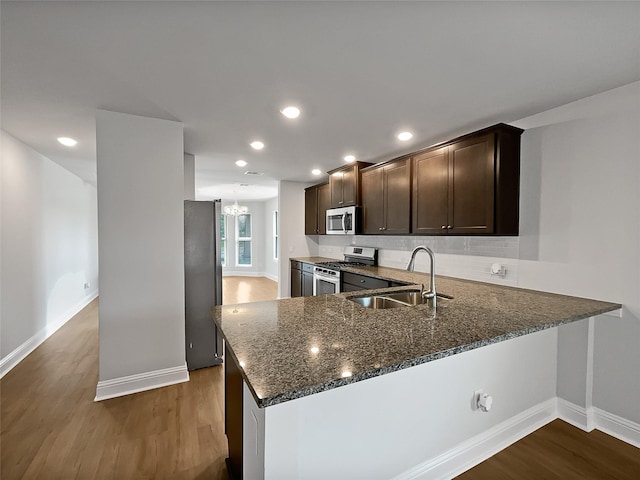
[[337, 265]]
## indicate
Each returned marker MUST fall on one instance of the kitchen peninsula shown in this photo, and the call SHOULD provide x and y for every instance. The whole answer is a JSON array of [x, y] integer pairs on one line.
[[295, 367]]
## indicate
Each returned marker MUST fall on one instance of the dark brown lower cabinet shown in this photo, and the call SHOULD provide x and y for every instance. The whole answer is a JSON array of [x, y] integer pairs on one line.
[[296, 279], [301, 279], [233, 414], [352, 282]]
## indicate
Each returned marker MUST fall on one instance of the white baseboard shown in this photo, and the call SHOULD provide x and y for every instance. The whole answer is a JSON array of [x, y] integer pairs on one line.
[[20, 353], [477, 449], [271, 276], [118, 387], [596, 418], [241, 273], [617, 426], [576, 415]]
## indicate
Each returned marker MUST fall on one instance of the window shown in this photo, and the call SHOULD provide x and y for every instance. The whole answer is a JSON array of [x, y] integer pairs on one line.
[[223, 239], [243, 240], [275, 235]]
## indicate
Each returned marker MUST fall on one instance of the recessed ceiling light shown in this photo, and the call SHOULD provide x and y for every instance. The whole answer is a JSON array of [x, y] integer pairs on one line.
[[316, 171], [290, 112], [67, 142], [349, 158], [404, 136], [241, 163], [257, 145]]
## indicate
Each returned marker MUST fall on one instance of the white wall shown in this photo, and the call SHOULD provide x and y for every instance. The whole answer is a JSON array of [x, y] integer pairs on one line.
[[189, 176], [580, 220], [141, 231], [49, 248], [293, 241], [270, 263]]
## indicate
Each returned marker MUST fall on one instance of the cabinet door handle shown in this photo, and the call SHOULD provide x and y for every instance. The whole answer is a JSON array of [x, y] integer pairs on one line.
[[362, 281], [449, 227], [379, 228], [444, 227], [340, 203]]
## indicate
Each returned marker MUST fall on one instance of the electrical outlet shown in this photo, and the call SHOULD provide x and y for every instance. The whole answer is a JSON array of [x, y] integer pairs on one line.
[[498, 270], [481, 402], [475, 398], [87, 285]]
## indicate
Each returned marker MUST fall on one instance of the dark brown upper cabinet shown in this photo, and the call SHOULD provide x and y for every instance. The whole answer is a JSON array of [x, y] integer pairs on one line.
[[470, 185], [386, 198], [316, 203], [430, 192], [344, 184]]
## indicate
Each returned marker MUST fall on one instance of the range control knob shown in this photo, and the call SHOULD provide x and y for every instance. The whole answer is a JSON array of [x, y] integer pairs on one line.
[[484, 402]]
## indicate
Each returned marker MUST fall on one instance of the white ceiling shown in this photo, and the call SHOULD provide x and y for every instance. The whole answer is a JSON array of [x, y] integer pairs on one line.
[[360, 71]]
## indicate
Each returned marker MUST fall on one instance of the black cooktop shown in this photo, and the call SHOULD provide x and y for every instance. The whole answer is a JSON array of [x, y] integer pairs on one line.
[[338, 265]]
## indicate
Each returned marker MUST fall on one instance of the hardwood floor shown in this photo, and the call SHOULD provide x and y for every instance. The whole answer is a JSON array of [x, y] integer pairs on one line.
[[563, 452], [52, 429], [248, 289]]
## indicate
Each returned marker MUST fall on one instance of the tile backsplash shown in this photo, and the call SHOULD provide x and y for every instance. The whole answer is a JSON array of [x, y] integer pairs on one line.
[[462, 257]]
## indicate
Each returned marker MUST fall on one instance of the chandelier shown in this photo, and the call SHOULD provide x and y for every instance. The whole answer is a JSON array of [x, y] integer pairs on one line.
[[236, 209]]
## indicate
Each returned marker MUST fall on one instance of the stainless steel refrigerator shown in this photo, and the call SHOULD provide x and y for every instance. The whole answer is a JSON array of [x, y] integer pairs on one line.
[[202, 281]]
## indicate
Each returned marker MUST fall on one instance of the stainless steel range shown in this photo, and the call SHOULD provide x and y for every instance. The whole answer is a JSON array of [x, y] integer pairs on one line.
[[326, 275]]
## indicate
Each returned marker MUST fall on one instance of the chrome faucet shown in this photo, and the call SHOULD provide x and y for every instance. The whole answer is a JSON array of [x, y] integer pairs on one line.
[[432, 288]]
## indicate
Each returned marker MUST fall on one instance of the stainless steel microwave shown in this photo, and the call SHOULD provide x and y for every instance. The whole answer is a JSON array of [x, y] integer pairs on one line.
[[343, 221]]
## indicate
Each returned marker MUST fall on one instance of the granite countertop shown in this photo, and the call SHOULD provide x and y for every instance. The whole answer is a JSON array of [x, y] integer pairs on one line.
[[296, 347]]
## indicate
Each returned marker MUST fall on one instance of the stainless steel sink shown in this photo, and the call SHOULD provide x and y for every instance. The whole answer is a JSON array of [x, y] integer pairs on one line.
[[412, 298], [377, 302], [394, 300]]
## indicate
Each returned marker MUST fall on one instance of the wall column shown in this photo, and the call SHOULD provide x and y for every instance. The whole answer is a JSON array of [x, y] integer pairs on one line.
[[141, 252], [189, 176]]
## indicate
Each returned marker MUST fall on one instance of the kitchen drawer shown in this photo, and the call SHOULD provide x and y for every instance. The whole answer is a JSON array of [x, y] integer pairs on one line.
[[305, 267], [366, 283], [350, 288]]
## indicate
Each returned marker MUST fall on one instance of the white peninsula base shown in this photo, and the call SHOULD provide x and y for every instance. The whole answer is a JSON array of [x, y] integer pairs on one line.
[[420, 422]]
